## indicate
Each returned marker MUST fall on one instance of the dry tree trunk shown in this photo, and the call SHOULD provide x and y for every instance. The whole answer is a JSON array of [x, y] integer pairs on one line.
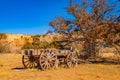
[[117, 52], [90, 49]]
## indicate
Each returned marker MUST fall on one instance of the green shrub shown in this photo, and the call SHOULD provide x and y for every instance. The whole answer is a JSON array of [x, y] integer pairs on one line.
[[41, 45]]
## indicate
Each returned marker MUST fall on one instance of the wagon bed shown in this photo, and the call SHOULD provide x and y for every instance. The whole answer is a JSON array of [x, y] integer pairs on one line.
[[48, 58]]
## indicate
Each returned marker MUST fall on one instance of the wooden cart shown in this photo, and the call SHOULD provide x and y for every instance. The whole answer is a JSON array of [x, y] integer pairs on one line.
[[48, 58]]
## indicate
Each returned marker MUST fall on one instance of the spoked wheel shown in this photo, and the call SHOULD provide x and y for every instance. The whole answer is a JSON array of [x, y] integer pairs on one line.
[[71, 60], [29, 61], [47, 59]]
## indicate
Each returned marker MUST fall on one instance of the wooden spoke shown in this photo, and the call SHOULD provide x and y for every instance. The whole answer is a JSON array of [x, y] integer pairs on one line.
[[71, 59], [47, 59], [29, 61]]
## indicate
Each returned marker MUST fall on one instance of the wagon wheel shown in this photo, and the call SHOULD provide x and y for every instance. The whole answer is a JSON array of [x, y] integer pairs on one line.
[[29, 61], [47, 59], [71, 60]]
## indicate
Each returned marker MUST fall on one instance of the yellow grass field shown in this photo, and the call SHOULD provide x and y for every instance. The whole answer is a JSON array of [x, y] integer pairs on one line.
[[81, 72]]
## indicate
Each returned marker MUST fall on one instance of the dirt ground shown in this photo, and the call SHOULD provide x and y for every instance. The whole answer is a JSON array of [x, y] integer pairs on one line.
[[81, 72]]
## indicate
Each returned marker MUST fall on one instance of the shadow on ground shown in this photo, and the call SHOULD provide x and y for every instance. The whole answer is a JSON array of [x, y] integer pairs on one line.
[[18, 68], [105, 61]]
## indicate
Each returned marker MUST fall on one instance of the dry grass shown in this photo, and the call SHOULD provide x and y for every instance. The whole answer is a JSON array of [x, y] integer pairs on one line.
[[108, 50], [81, 72]]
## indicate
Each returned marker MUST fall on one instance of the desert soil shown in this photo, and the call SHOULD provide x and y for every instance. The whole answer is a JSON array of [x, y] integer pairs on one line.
[[8, 63]]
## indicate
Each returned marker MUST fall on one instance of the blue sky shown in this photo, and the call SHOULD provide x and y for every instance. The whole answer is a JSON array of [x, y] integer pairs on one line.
[[29, 16]]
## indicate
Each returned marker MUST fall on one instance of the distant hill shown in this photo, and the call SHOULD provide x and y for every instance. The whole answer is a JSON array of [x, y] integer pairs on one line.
[[15, 42]]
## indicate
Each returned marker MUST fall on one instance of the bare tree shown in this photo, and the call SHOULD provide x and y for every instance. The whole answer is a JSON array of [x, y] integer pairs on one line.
[[93, 19]]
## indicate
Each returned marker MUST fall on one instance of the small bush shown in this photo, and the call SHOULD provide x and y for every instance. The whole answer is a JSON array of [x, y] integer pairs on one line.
[[37, 44], [4, 48]]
